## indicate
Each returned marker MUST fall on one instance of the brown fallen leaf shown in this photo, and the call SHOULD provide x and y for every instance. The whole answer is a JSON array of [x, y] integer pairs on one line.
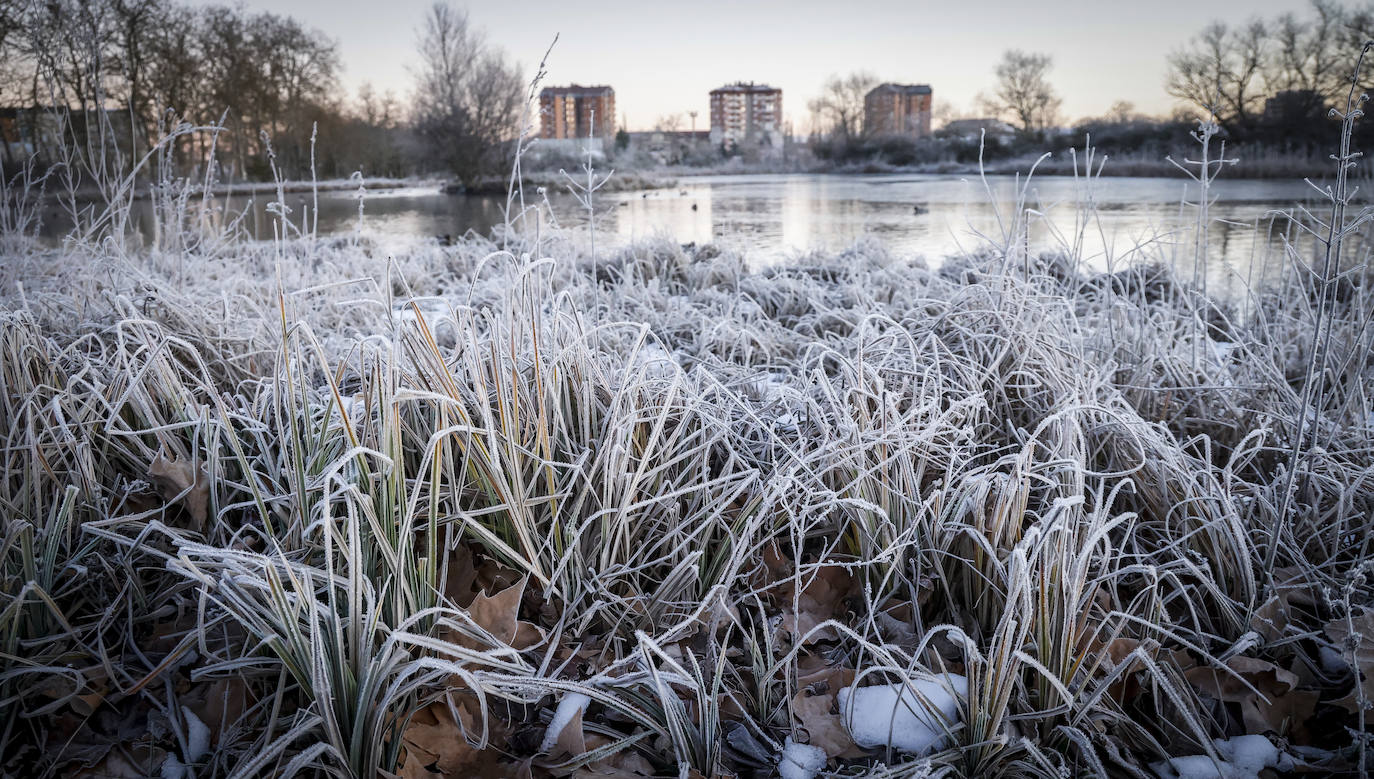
[[415, 764], [625, 764], [460, 576], [1111, 655], [1292, 592], [436, 745], [1279, 706], [815, 710], [1362, 646], [571, 739], [219, 704], [821, 598], [776, 566], [499, 615], [493, 576], [127, 761], [180, 479]]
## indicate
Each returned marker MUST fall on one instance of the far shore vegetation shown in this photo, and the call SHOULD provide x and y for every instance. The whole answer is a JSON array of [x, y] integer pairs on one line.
[[1269, 84]]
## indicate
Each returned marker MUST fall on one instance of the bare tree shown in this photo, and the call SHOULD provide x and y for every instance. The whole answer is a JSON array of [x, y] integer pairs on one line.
[[467, 97], [136, 24], [1122, 112], [110, 74], [14, 55], [299, 68], [839, 110], [369, 106], [1278, 74], [1307, 54], [1024, 92], [1220, 72]]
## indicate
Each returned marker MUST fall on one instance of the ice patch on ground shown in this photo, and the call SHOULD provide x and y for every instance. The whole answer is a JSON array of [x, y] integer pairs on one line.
[[172, 768], [197, 736], [1242, 757], [573, 703], [800, 761], [912, 717]]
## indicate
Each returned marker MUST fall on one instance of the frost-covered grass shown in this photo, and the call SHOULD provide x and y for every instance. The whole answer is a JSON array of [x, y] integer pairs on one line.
[[503, 508]]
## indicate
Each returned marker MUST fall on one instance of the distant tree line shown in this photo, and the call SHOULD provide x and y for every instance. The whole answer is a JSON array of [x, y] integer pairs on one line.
[[1274, 81], [1269, 83], [121, 73]]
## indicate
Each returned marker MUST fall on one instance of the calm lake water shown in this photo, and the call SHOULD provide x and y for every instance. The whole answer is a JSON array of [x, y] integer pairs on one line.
[[774, 217]]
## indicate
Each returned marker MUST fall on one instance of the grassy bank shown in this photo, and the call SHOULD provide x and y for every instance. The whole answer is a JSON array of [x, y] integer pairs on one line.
[[556, 181], [1268, 165], [319, 506]]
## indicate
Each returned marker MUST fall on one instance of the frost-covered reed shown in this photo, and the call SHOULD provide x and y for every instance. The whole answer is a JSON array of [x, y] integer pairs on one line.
[[361, 510]]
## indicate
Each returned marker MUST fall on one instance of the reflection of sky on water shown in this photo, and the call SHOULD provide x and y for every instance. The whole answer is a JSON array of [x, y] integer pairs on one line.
[[773, 217], [936, 216]]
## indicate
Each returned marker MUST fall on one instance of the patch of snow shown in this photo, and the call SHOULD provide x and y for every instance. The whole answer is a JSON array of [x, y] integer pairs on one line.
[[1193, 767], [1242, 757], [1251, 753], [197, 736], [800, 761], [912, 717], [172, 768], [573, 703]]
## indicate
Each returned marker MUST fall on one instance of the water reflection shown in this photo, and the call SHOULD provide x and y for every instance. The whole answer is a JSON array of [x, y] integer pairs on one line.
[[774, 217]]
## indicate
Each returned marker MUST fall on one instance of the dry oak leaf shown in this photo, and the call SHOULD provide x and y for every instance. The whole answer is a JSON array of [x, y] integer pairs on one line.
[[776, 567], [437, 747], [625, 763], [571, 739], [134, 761], [178, 478], [815, 709], [220, 704], [499, 615], [1278, 706], [1111, 655], [460, 574], [1362, 644], [1292, 589], [822, 598]]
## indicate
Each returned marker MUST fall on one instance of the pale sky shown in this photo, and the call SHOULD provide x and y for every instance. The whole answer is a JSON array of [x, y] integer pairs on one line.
[[664, 57]]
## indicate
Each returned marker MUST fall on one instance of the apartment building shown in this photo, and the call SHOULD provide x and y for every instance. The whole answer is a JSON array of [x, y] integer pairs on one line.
[[898, 109], [577, 112], [746, 113]]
